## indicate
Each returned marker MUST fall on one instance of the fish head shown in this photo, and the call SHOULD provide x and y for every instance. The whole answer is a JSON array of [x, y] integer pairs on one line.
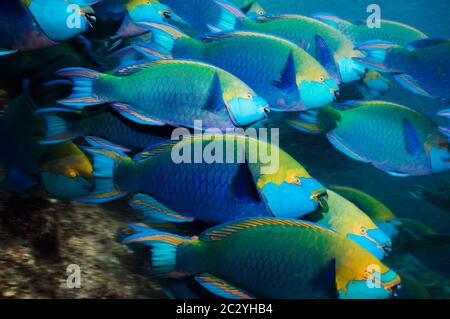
[[150, 11], [350, 70], [289, 191], [440, 157], [390, 227], [372, 288], [373, 240], [375, 82], [246, 109], [62, 186], [361, 275], [69, 175], [62, 20], [318, 92]]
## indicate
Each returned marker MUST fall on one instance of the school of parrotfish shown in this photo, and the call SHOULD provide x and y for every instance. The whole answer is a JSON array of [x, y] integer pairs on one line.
[[103, 133]]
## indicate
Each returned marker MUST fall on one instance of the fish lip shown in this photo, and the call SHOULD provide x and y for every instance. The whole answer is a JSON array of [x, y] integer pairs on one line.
[[321, 197]]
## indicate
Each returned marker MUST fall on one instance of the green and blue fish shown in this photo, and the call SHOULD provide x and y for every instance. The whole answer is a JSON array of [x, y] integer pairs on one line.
[[268, 258], [27, 25], [206, 16], [172, 92], [350, 221], [392, 137], [285, 75], [213, 190], [389, 31], [379, 213], [421, 66], [333, 49]]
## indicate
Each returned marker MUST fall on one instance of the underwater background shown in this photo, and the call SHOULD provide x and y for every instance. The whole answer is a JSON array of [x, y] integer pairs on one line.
[[39, 237]]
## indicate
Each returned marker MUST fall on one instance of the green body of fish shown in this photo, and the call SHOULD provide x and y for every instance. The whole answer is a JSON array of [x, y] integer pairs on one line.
[[285, 75], [274, 258], [302, 30], [392, 137], [169, 92], [390, 31]]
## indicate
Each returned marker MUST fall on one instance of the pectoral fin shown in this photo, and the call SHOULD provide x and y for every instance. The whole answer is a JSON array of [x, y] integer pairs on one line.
[[412, 139], [154, 211], [222, 288], [326, 58], [215, 101], [243, 185], [288, 79]]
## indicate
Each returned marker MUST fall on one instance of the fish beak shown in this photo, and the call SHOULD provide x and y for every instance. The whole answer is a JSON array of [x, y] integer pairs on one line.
[[321, 197]]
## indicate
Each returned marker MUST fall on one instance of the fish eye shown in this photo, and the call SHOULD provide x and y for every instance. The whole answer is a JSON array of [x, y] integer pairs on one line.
[[367, 275], [321, 78], [363, 230], [72, 174], [297, 180], [165, 14], [249, 96]]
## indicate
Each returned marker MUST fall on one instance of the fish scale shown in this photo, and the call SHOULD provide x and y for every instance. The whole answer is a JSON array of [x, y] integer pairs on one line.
[[182, 86]]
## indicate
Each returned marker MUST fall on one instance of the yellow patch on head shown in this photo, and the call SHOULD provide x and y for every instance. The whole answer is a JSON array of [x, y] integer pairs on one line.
[[132, 4]]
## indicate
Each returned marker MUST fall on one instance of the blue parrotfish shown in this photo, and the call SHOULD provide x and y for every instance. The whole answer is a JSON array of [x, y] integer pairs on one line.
[[33, 24], [285, 75], [421, 66], [392, 137], [169, 188]]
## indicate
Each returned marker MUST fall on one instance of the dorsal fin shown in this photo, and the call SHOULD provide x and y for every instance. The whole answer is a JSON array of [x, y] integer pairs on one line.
[[133, 67], [223, 231], [155, 149]]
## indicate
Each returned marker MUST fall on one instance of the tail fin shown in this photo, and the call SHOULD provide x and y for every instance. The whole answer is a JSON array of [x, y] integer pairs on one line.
[[376, 52], [82, 92], [164, 37], [57, 127], [104, 162], [163, 247], [6, 52], [228, 18], [306, 122]]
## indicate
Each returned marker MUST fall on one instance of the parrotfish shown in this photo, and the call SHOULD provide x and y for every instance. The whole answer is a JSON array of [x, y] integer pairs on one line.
[[169, 92], [421, 66], [379, 213], [440, 197], [348, 220], [65, 171], [206, 16], [33, 24], [285, 75], [376, 83], [65, 125], [213, 190], [392, 137], [391, 31], [131, 11], [268, 258], [328, 45]]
